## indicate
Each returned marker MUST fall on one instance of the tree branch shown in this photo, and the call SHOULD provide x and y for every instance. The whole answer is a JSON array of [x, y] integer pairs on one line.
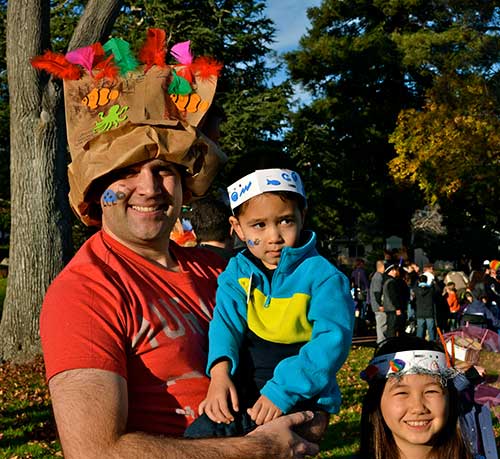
[[96, 22]]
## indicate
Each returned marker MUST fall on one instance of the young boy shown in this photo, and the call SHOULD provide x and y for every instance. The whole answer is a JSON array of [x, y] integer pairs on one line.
[[282, 325], [453, 303]]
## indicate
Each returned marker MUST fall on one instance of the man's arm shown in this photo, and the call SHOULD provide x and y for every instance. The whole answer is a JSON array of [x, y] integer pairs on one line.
[[91, 409]]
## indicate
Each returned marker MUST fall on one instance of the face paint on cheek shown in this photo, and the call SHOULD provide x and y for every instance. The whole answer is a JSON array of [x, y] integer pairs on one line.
[[110, 198], [253, 243]]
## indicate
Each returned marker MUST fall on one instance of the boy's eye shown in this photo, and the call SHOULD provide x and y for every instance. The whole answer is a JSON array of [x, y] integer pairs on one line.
[[259, 225]]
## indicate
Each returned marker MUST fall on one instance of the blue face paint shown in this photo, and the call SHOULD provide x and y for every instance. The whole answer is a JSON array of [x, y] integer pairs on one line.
[[109, 197], [253, 243]]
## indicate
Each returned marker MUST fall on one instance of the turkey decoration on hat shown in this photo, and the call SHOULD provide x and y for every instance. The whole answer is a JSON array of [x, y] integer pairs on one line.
[[122, 110]]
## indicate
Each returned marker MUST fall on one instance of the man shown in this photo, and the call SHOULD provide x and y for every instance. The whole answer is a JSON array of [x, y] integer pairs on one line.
[[209, 218], [391, 300], [124, 326], [376, 285]]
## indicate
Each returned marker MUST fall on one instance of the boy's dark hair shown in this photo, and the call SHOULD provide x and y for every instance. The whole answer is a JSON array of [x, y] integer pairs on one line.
[[210, 219]]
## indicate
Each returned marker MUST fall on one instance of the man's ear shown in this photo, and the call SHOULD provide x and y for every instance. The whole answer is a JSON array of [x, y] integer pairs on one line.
[[235, 224]]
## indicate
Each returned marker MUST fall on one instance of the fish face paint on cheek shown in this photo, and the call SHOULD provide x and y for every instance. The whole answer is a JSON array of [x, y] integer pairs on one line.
[[253, 243], [110, 198]]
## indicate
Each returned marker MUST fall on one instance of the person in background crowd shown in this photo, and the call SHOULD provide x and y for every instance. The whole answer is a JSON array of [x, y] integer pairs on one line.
[[425, 309], [209, 218], [478, 313], [492, 287], [376, 287], [454, 305], [361, 286], [476, 284], [460, 280], [393, 307]]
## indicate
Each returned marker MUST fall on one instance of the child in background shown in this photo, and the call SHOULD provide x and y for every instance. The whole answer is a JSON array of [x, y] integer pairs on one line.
[[282, 325], [411, 409], [452, 299]]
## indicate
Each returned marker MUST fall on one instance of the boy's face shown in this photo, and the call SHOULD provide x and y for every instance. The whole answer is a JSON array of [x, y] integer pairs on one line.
[[268, 224]]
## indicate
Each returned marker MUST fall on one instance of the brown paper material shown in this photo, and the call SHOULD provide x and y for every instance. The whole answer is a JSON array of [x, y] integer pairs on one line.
[[133, 120]]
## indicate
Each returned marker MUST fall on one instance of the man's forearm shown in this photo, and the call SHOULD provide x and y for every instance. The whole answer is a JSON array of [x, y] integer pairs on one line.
[[133, 445]]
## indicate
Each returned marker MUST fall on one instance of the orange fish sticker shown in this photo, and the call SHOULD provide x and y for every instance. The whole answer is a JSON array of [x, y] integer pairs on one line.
[[100, 97], [190, 103]]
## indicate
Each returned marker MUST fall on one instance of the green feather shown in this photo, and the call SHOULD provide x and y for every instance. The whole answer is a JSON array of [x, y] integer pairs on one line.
[[124, 58], [179, 86]]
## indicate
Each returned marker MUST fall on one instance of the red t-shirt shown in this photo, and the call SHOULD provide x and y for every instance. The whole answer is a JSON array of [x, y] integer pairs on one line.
[[114, 310]]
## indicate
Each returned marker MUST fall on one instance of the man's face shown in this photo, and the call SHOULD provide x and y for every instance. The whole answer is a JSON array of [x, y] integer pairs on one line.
[[139, 209]]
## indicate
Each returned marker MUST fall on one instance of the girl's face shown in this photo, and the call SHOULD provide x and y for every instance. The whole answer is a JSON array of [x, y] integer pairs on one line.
[[267, 225], [415, 408]]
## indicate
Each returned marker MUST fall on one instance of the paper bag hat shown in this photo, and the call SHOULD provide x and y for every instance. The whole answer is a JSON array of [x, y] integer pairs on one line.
[[121, 113]]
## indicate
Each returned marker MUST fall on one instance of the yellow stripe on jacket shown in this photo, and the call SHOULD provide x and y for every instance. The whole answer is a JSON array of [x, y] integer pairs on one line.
[[281, 320]]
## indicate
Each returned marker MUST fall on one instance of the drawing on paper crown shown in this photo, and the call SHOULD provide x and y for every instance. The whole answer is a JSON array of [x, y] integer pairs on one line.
[[100, 97], [112, 119], [115, 59]]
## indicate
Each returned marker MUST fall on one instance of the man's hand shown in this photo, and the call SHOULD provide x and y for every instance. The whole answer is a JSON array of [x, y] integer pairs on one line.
[[220, 390], [264, 411], [398, 312], [380, 309], [283, 442]]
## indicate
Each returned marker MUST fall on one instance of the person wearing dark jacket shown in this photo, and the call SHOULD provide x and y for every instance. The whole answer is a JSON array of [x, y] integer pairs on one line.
[[479, 308], [391, 300], [424, 309]]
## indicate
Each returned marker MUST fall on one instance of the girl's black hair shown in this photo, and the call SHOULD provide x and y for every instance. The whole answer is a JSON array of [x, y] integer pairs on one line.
[[377, 441]]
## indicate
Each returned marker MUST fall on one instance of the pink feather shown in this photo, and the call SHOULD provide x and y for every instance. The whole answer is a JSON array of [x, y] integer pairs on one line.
[[83, 56], [182, 52]]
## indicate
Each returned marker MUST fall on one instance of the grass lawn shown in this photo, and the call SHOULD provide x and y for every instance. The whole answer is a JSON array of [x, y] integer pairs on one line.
[[27, 427]]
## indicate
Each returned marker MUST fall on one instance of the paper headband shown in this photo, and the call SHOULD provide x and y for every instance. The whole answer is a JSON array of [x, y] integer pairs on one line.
[[407, 362], [263, 181]]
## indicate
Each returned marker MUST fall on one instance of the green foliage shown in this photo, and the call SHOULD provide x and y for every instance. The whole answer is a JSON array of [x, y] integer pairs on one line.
[[450, 147], [366, 61], [237, 34]]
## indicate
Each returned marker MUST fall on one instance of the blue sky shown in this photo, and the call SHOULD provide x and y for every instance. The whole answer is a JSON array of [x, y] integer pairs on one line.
[[291, 23]]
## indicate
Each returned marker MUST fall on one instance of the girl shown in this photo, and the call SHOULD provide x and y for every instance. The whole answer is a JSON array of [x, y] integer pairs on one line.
[[411, 408]]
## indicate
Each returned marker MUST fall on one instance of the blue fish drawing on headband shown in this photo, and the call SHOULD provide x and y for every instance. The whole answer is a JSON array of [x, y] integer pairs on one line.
[[273, 182]]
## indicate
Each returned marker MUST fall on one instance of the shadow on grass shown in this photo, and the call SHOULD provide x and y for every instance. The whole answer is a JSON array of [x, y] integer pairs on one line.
[[20, 426], [342, 434]]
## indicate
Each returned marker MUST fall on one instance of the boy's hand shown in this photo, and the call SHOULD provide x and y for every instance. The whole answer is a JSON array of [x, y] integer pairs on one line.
[[220, 390], [264, 411]]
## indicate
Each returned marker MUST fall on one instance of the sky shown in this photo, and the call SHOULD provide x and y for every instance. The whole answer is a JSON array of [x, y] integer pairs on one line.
[[291, 23]]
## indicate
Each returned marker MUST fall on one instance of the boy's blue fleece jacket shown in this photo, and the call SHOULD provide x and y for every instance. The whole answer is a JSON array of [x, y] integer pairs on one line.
[[307, 301]]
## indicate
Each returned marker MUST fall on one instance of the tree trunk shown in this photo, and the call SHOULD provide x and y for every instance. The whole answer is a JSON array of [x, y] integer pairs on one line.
[[40, 241]]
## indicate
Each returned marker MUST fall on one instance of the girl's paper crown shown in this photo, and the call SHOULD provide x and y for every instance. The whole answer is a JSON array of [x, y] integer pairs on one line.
[[263, 181], [408, 363], [123, 109]]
